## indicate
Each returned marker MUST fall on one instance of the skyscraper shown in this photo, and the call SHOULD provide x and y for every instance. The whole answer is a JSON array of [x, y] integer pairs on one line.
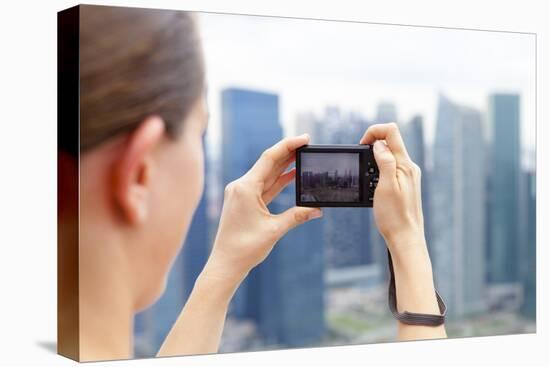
[[347, 237], [308, 123], [504, 189], [458, 210], [250, 124], [529, 241], [284, 294], [386, 112]]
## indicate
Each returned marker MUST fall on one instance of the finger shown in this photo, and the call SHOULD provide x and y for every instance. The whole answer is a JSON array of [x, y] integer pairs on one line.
[[266, 166], [278, 186], [390, 133], [279, 170], [295, 216], [386, 162]]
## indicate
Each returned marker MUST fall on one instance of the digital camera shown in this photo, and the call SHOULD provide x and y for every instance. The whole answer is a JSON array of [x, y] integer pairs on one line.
[[335, 176]]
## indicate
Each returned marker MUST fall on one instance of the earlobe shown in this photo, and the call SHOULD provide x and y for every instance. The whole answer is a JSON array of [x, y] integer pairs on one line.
[[133, 170]]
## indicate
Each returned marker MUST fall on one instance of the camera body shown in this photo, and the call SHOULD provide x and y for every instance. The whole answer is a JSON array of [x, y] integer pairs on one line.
[[335, 176]]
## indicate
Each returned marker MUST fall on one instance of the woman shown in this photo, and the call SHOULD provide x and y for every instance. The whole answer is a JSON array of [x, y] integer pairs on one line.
[[142, 118]]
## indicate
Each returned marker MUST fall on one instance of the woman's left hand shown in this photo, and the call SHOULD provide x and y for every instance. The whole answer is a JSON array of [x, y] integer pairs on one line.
[[248, 231]]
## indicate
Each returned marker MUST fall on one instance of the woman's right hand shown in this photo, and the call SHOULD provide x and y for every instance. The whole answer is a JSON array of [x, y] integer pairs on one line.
[[398, 215], [397, 198]]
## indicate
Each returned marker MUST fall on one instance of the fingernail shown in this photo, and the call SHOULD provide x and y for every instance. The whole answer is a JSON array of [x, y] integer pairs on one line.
[[306, 135], [315, 214], [379, 146]]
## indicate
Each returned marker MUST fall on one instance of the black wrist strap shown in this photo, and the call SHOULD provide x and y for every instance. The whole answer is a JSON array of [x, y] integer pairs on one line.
[[410, 317]]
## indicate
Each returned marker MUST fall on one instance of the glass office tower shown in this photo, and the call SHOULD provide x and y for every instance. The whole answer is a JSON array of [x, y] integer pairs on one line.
[[458, 208], [504, 195]]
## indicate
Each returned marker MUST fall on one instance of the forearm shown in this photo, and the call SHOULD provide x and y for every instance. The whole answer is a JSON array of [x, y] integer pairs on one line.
[[199, 326], [415, 291]]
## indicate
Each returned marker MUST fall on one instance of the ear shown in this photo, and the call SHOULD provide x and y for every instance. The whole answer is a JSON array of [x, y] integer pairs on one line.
[[133, 170]]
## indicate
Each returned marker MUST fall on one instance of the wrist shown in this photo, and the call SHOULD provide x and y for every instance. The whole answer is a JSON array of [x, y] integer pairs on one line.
[[219, 289], [414, 282], [411, 259], [220, 270]]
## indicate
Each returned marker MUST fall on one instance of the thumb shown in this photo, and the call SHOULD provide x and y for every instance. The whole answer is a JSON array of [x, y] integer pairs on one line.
[[385, 160], [297, 215]]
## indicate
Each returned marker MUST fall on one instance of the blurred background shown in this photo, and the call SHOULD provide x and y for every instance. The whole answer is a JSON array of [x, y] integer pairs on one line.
[[465, 104]]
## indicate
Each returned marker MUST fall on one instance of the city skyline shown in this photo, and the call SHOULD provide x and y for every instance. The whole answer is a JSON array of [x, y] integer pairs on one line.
[[344, 251]]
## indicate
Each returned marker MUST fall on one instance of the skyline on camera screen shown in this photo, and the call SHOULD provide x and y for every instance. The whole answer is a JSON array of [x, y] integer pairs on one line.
[[329, 177]]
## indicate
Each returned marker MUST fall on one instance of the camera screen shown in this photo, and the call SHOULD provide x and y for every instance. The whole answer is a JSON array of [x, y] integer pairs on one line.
[[329, 177]]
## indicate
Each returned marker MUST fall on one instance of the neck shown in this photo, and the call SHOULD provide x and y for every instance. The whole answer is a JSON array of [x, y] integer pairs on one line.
[[106, 306]]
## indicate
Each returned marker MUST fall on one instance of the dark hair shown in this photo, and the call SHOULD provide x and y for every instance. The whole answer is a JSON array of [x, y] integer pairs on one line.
[[135, 63]]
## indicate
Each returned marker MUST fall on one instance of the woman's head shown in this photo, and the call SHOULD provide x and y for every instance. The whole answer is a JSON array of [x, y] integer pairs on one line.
[[142, 119]]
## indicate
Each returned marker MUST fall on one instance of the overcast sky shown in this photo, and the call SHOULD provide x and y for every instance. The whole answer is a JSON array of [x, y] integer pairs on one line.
[[313, 64], [329, 162]]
